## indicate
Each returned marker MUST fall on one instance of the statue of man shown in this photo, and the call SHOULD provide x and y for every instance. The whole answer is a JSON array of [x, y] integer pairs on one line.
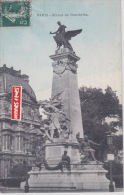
[[66, 160], [84, 144], [60, 30], [59, 37], [62, 38], [54, 117], [87, 147]]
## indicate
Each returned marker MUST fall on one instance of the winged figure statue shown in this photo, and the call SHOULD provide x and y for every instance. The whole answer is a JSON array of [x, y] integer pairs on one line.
[[62, 37], [57, 123]]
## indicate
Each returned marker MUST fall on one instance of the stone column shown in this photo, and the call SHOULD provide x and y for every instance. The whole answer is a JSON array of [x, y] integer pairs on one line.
[[65, 82]]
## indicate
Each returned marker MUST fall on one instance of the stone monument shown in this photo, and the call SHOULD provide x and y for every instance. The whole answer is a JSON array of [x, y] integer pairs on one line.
[[65, 85], [63, 124]]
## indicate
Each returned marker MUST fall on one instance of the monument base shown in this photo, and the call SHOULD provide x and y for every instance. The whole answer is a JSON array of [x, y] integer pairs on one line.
[[82, 177], [54, 152]]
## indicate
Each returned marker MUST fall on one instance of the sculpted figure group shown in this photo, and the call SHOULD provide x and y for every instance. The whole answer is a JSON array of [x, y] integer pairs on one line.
[[57, 123]]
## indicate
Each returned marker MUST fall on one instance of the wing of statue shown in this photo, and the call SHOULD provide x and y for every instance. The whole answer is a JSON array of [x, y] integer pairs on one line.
[[43, 102], [72, 33]]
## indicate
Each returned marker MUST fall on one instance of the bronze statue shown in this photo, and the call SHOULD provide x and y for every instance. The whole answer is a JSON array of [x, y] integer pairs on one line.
[[62, 37], [88, 149], [85, 147], [66, 161]]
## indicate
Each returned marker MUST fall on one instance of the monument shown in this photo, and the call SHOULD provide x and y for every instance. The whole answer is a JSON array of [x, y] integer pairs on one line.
[[64, 129]]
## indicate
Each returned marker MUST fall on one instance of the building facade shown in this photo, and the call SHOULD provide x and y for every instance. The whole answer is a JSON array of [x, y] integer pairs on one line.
[[15, 134]]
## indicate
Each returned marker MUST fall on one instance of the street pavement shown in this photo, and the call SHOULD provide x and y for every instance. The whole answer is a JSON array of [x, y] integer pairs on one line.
[[18, 190]]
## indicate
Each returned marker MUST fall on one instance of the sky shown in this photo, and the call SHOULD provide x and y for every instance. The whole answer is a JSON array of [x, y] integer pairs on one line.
[[98, 46]]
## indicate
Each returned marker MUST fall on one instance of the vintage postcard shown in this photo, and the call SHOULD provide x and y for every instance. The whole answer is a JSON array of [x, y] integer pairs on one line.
[[61, 127]]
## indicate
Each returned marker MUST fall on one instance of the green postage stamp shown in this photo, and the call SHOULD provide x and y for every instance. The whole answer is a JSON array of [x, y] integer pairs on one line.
[[15, 13]]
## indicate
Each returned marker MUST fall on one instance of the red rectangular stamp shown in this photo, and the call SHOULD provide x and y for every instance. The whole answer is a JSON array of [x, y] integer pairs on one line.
[[16, 102]]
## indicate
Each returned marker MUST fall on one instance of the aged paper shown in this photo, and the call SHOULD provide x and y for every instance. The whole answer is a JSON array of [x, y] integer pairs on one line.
[[67, 57]]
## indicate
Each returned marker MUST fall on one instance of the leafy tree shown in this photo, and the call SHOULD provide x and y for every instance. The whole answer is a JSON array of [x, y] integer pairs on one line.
[[96, 106], [117, 171], [118, 142], [20, 171]]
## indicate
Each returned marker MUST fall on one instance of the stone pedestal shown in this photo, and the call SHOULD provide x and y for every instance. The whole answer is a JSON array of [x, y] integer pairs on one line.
[[65, 82], [54, 152], [81, 178]]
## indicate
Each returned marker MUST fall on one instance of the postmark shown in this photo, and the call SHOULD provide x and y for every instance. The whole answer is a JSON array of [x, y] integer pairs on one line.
[[15, 13]]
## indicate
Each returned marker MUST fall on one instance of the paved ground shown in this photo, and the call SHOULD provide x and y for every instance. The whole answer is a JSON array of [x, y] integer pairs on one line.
[[119, 189], [18, 190], [11, 190]]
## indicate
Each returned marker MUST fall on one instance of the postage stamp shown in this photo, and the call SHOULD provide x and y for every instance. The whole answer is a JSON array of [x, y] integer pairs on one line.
[[15, 13]]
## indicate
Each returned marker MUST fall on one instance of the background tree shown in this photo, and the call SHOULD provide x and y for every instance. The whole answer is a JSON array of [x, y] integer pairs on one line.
[[96, 107], [18, 174], [117, 170], [20, 170]]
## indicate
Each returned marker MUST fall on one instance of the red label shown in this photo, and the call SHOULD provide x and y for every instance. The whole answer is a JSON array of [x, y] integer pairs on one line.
[[16, 102]]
